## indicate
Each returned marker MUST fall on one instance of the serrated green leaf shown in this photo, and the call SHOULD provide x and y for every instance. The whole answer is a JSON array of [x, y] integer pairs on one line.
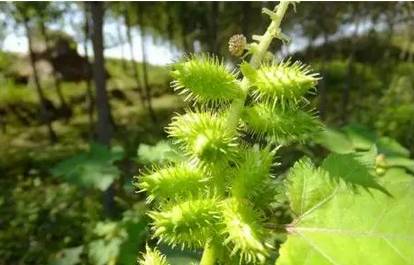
[[345, 228], [354, 169], [304, 195]]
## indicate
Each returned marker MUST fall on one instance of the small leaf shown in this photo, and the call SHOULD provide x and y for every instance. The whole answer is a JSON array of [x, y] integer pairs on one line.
[[353, 169], [93, 169]]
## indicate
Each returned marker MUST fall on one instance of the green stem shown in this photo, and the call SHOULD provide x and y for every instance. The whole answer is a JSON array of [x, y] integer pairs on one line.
[[273, 31], [209, 255]]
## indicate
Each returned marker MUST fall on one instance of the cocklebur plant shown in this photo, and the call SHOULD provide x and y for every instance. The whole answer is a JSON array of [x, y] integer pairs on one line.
[[216, 198]]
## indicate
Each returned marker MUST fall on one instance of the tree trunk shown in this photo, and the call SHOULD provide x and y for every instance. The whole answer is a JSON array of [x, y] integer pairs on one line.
[[213, 17], [246, 7], [64, 108], [44, 113], [104, 126], [170, 23], [134, 63], [147, 88], [185, 23], [90, 102]]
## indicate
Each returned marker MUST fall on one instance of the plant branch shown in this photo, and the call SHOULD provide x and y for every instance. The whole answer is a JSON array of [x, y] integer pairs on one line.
[[209, 255], [273, 31]]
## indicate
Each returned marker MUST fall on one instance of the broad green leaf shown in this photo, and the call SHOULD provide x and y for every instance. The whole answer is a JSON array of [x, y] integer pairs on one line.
[[354, 169], [302, 194], [93, 169], [335, 141], [348, 228]]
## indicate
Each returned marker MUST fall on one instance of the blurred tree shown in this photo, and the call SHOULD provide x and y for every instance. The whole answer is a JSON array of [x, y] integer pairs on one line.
[[104, 125], [147, 88], [47, 12], [90, 99], [126, 13], [24, 13]]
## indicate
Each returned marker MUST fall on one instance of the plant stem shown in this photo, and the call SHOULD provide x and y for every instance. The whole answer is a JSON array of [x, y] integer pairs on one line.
[[273, 31], [209, 255]]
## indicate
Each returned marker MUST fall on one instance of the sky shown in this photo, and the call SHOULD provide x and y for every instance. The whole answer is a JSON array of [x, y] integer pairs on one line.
[[158, 53]]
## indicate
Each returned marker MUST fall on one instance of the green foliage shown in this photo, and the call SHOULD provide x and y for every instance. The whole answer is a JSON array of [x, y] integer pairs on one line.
[[337, 226], [116, 242], [396, 106], [353, 169], [356, 138], [93, 169], [37, 215], [68, 256]]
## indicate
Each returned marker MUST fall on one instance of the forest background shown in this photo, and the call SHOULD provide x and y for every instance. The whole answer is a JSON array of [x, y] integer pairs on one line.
[[85, 94]]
